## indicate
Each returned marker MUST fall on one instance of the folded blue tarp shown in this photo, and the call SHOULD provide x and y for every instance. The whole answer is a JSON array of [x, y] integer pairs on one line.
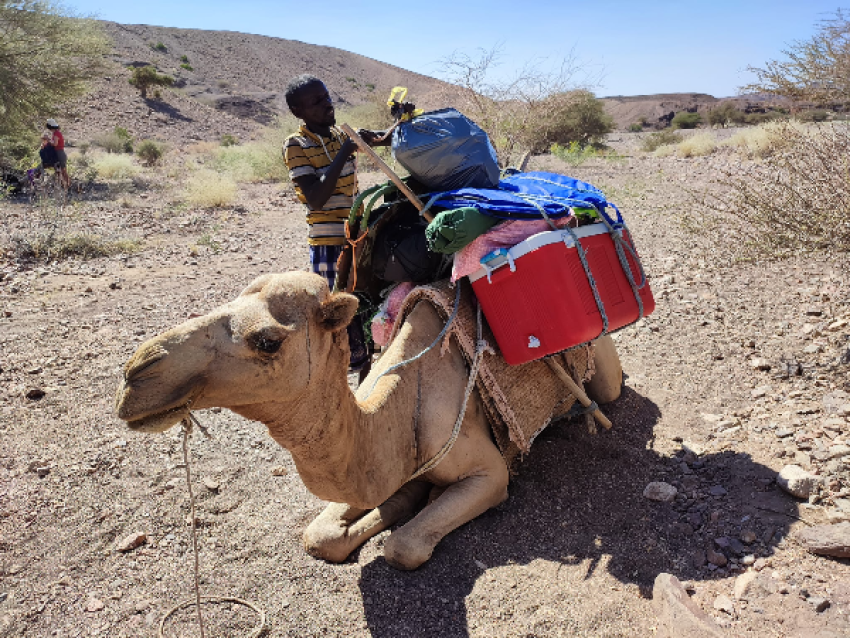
[[523, 195]]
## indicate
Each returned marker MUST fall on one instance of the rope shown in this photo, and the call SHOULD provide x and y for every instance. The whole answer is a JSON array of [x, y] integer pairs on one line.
[[439, 338], [481, 346], [260, 628]]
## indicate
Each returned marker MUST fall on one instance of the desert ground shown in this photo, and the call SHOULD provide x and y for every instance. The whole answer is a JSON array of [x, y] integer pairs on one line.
[[742, 370]]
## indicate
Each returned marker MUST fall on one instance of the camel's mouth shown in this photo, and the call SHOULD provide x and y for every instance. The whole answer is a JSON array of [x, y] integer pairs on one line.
[[161, 421]]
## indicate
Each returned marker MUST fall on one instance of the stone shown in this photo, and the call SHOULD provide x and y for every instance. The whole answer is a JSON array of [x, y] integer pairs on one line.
[[759, 363], [748, 536], [743, 585], [820, 604], [718, 559], [796, 481], [760, 564], [826, 540], [724, 603], [131, 542], [717, 490], [838, 451], [678, 616], [783, 432], [35, 394], [833, 402], [660, 491], [211, 485], [279, 470], [94, 604], [748, 560]]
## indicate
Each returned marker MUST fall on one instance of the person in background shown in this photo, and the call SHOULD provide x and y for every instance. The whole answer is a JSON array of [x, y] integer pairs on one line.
[[321, 164], [53, 152]]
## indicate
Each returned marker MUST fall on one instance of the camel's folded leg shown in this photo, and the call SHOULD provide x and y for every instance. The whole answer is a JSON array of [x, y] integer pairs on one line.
[[411, 545], [340, 528]]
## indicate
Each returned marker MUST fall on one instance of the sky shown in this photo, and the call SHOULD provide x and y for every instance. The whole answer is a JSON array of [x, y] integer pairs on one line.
[[627, 47]]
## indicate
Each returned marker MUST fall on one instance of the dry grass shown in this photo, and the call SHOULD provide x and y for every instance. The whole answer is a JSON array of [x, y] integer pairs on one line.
[[761, 141], [209, 189], [795, 198], [114, 166], [697, 145]]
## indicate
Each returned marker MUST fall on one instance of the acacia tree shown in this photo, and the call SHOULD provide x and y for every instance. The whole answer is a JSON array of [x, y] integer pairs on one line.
[[47, 57], [145, 77], [815, 70], [530, 111]]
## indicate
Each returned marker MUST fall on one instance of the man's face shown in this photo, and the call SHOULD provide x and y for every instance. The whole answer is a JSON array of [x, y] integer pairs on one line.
[[314, 105]]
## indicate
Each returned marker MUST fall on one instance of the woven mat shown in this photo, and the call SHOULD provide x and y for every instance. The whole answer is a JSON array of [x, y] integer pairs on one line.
[[519, 400]]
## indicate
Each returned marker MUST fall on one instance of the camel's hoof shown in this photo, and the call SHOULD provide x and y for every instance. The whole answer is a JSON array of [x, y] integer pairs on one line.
[[404, 553], [333, 550]]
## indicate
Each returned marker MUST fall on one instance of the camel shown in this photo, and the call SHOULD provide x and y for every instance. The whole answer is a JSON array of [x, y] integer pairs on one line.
[[278, 354]]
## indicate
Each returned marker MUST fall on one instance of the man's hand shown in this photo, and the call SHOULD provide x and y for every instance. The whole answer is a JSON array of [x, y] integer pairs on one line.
[[348, 148], [372, 138]]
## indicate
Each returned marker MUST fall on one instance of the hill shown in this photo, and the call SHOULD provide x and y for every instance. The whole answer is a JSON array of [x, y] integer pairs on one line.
[[226, 82]]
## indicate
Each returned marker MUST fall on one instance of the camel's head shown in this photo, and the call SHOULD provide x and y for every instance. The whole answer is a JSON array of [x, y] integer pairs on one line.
[[264, 346]]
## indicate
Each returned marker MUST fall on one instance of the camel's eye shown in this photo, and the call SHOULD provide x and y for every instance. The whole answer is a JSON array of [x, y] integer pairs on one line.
[[266, 344]]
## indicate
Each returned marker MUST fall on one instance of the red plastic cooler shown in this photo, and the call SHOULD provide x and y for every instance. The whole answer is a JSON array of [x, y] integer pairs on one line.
[[537, 297]]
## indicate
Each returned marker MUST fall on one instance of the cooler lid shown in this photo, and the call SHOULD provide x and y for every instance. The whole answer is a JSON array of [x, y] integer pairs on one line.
[[507, 256]]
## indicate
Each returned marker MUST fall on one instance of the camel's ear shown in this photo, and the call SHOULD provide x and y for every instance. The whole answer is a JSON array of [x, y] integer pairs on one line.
[[257, 285], [337, 311]]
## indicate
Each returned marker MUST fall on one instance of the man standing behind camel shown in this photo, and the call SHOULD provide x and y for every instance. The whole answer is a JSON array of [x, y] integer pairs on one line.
[[321, 164]]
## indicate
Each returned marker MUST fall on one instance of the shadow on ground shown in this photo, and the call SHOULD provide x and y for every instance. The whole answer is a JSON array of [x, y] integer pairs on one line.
[[578, 499]]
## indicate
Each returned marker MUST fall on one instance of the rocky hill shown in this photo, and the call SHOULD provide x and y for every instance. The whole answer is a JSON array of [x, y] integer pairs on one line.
[[226, 82], [657, 110]]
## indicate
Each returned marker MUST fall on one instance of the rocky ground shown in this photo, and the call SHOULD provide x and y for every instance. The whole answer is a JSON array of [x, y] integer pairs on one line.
[[741, 371]]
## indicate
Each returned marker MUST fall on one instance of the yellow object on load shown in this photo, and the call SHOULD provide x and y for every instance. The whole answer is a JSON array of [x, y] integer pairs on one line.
[[396, 98]]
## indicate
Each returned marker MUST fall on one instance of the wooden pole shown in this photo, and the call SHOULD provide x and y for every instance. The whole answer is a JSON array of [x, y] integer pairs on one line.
[[577, 392], [363, 146]]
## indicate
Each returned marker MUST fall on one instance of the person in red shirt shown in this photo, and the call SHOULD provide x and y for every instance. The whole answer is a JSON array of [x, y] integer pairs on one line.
[[54, 137]]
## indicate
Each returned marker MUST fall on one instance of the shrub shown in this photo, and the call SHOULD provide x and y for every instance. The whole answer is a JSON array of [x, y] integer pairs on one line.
[[187, 66], [209, 189], [797, 199], [815, 115], [764, 140], [184, 59], [118, 141], [114, 166], [635, 128], [726, 114], [159, 46], [253, 162], [145, 77], [150, 151], [696, 145], [661, 138], [684, 119], [754, 119], [577, 117], [573, 154], [229, 140]]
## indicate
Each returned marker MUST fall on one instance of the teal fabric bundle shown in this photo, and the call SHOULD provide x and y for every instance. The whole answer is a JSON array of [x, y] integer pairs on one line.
[[451, 230]]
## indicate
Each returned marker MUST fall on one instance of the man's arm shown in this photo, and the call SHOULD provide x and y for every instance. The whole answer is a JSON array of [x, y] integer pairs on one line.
[[318, 190], [375, 138]]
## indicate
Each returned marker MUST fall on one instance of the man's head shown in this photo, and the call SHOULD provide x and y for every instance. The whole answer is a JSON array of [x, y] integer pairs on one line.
[[309, 100], [52, 124]]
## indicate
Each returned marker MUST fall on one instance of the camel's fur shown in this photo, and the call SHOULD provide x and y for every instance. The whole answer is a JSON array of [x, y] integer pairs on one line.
[[353, 450]]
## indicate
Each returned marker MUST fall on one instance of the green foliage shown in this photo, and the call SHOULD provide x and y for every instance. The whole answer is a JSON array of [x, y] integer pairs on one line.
[[661, 138], [118, 141], [184, 59], [370, 86], [684, 119], [187, 66], [229, 140], [145, 77], [635, 128], [576, 116], [150, 151], [573, 154], [725, 114], [159, 46], [47, 57]]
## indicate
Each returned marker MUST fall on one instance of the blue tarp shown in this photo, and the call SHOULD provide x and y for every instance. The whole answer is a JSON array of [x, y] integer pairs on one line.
[[522, 195]]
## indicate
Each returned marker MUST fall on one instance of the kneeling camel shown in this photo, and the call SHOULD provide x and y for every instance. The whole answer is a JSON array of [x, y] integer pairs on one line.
[[278, 354]]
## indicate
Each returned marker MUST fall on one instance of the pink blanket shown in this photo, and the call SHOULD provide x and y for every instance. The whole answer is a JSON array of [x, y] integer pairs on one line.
[[504, 235]]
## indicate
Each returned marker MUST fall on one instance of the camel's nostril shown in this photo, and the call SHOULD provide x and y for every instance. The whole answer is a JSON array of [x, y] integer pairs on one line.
[[134, 368]]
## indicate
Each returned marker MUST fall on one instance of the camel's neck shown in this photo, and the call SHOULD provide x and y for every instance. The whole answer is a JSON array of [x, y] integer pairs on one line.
[[347, 451]]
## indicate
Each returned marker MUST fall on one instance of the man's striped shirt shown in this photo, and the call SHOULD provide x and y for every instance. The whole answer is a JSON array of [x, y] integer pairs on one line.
[[306, 153]]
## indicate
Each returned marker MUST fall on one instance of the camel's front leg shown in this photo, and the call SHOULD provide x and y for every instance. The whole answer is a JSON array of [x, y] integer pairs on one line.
[[340, 528], [484, 487]]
